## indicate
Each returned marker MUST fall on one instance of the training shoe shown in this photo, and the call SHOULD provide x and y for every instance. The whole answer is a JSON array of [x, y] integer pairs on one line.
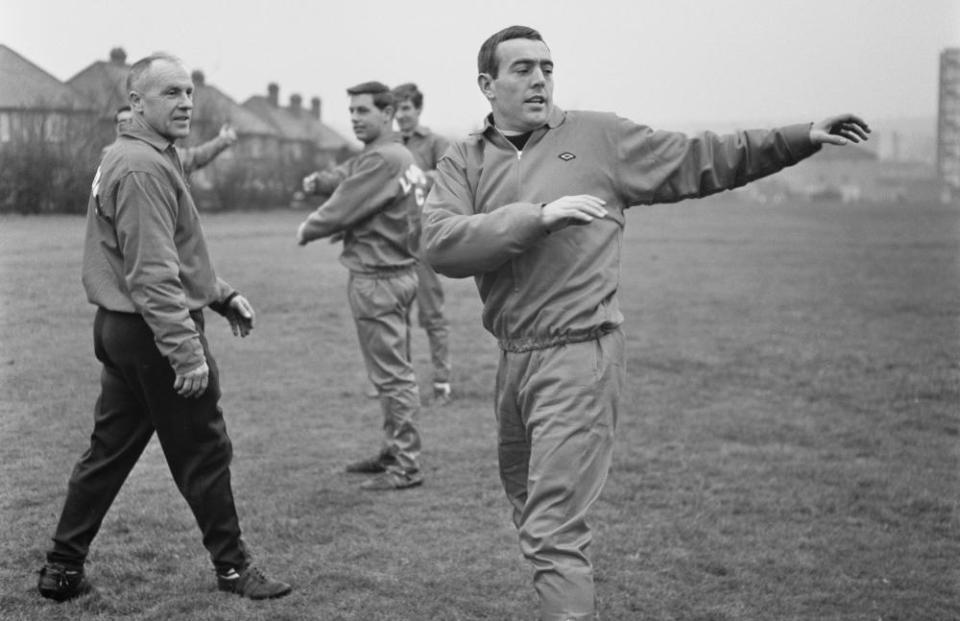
[[442, 393], [392, 480], [373, 465], [60, 584], [252, 584]]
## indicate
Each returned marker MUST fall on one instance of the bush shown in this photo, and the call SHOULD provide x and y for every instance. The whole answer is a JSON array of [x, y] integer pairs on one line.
[[49, 163]]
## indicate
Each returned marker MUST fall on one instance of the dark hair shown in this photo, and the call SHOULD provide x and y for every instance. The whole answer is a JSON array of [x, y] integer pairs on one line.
[[487, 61], [121, 109], [382, 96], [140, 67], [409, 91]]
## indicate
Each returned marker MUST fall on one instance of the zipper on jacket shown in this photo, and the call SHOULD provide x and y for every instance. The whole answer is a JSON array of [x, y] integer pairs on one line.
[[513, 262]]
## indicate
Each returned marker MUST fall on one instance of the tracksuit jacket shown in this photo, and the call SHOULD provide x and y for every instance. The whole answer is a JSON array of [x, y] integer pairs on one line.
[[427, 147], [540, 289], [145, 251], [375, 207]]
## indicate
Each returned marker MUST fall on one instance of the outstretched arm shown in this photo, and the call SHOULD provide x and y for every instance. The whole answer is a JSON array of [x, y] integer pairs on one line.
[[193, 158], [324, 181], [664, 167], [370, 186]]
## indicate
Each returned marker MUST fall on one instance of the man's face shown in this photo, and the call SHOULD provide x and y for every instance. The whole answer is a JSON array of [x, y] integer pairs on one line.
[[408, 116], [368, 121], [123, 120], [522, 93], [165, 99]]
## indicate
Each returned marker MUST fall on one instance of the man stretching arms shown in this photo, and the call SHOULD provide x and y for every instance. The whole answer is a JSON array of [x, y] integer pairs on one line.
[[375, 209], [533, 207]]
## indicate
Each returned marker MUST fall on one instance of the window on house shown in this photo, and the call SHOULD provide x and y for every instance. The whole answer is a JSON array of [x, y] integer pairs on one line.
[[54, 127], [271, 148], [256, 147], [4, 127]]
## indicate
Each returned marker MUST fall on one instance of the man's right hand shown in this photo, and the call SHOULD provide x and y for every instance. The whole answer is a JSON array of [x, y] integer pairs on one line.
[[193, 384], [322, 182], [567, 210], [310, 183]]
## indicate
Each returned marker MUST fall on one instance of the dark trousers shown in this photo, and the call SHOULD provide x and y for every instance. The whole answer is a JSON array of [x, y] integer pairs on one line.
[[137, 399]]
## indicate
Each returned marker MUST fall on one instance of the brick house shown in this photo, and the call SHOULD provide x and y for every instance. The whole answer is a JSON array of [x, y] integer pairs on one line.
[[307, 144]]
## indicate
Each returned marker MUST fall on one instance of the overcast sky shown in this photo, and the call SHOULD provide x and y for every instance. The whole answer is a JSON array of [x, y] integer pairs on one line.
[[666, 63]]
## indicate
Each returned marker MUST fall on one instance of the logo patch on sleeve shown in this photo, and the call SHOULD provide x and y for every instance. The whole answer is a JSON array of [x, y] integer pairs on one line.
[[566, 156]]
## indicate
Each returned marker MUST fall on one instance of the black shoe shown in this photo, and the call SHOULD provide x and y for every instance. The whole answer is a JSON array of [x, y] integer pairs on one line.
[[391, 480], [252, 584], [60, 584], [373, 465]]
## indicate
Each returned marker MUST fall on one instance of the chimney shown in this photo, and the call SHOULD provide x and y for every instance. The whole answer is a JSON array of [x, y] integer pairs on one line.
[[296, 101], [198, 78], [273, 94], [118, 56], [315, 107]]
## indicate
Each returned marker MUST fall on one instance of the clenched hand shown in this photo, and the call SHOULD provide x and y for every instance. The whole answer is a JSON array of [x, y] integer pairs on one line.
[[194, 383]]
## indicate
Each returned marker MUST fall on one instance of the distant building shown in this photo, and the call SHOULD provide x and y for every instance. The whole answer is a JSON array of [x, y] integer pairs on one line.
[[34, 104], [248, 174], [307, 143], [948, 125], [45, 138], [104, 84]]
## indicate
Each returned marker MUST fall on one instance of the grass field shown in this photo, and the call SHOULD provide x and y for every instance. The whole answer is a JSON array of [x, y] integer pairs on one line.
[[790, 448]]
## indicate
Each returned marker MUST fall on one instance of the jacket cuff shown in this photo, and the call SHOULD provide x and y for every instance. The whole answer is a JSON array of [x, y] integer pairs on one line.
[[798, 140], [187, 357], [222, 306]]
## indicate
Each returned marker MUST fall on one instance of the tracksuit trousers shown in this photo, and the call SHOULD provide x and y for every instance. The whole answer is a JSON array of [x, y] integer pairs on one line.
[[137, 399], [380, 303], [432, 318], [557, 410]]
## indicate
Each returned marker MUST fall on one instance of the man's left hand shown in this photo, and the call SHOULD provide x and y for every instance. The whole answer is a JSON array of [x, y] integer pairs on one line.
[[240, 314], [839, 130]]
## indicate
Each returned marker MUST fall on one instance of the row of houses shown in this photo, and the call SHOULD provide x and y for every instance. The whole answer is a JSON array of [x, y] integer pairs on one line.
[[70, 122]]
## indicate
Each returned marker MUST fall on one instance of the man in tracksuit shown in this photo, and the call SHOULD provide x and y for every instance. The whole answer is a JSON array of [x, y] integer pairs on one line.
[[533, 207], [375, 210], [427, 149], [147, 268]]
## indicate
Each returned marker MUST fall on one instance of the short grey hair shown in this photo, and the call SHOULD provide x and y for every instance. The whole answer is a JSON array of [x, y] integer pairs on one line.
[[141, 66]]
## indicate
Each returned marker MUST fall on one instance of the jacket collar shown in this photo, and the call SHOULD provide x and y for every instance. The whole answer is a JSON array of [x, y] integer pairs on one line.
[[554, 120], [141, 131], [420, 131]]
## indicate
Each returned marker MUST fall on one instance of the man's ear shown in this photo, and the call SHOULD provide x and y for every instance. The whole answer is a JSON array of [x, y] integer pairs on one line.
[[136, 101], [485, 82]]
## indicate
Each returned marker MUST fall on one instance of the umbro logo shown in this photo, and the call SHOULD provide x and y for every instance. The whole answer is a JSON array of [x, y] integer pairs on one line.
[[566, 156]]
